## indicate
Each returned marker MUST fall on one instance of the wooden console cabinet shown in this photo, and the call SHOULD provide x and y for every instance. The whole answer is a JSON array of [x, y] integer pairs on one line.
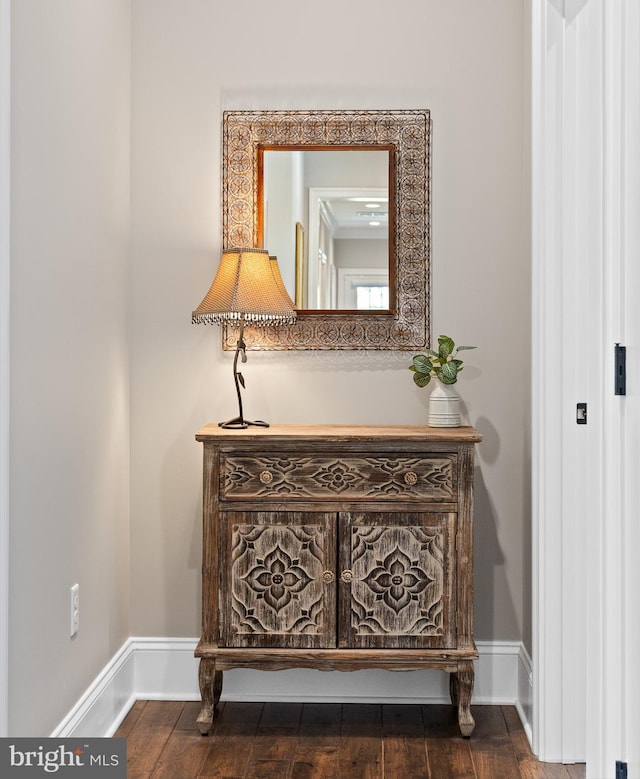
[[334, 547]]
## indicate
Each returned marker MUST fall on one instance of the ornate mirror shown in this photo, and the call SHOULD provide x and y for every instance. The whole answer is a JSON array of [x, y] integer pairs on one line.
[[306, 185]]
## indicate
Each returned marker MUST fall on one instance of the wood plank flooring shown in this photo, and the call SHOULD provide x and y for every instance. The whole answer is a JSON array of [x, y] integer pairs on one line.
[[322, 740]]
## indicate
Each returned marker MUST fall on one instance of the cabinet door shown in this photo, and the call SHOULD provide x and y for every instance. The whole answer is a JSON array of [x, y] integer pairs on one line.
[[277, 579], [397, 580]]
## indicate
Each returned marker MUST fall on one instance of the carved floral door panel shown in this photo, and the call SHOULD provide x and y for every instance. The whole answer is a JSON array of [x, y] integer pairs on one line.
[[397, 582], [281, 573], [278, 579]]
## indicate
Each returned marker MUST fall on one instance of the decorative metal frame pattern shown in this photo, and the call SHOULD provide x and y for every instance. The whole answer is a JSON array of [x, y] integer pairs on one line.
[[408, 132]]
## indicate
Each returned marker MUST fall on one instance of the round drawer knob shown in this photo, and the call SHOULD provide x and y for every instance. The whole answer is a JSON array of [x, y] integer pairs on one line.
[[266, 477], [410, 478], [328, 577], [346, 576]]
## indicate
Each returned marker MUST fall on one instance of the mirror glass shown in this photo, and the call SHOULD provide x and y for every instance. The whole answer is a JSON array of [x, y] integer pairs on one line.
[[325, 215], [376, 298]]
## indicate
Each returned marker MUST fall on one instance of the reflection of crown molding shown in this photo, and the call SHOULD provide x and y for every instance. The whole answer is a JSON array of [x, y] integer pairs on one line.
[[364, 233], [325, 200]]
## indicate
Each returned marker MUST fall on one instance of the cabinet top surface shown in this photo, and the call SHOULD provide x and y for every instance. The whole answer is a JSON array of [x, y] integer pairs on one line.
[[416, 433]]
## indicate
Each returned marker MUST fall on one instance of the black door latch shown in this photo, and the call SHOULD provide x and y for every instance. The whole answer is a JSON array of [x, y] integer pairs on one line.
[[620, 379]]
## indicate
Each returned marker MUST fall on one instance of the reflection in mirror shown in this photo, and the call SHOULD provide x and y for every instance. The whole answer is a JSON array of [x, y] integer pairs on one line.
[[325, 215]]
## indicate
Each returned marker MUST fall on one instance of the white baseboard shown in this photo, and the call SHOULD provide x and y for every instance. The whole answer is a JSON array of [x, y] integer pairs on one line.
[[524, 698], [165, 669], [106, 702]]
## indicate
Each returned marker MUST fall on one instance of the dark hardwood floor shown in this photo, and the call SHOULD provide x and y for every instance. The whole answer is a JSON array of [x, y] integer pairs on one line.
[[317, 740]]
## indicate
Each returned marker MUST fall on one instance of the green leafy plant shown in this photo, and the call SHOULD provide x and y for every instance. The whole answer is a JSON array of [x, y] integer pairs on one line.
[[443, 364]]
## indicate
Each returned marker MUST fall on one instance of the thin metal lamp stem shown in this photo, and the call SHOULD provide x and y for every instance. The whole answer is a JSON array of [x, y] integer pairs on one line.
[[239, 422]]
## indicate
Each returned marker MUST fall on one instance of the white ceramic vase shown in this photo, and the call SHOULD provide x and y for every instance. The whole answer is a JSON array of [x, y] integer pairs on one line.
[[444, 406]]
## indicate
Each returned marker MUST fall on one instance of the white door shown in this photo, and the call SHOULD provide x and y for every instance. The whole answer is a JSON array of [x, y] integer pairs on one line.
[[586, 280]]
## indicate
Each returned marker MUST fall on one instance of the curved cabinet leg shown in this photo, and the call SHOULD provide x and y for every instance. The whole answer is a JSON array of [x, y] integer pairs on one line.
[[454, 689], [217, 687], [464, 686], [210, 682]]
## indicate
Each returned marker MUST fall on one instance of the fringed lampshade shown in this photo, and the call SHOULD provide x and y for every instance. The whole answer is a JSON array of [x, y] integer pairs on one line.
[[276, 275], [247, 287]]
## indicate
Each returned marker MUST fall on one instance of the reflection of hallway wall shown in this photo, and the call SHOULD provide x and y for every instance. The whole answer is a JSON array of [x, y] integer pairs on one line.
[[281, 212], [360, 253]]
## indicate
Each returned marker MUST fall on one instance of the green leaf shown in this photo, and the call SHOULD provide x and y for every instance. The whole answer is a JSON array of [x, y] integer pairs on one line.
[[422, 363], [446, 346], [443, 364], [449, 373], [422, 379]]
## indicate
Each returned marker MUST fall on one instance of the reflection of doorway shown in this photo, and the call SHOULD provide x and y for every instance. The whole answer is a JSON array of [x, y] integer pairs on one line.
[[321, 287], [363, 289], [339, 213]]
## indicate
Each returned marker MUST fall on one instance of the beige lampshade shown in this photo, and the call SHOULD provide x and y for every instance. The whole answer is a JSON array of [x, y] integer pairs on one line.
[[247, 286], [275, 268]]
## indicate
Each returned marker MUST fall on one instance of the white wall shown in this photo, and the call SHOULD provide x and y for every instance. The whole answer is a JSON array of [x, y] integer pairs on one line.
[[5, 296], [74, 77], [465, 61], [69, 414]]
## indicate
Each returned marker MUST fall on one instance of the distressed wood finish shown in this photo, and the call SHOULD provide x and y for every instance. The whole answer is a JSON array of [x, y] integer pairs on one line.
[[281, 582], [307, 475], [337, 548], [400, 593]]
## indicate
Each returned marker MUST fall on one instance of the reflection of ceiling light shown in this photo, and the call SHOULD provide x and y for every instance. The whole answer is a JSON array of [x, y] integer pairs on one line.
[[374, 224], [368, 199], [373, 205]]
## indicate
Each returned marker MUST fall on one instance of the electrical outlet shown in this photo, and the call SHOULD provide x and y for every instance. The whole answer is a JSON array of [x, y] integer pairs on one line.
[[74, 606]]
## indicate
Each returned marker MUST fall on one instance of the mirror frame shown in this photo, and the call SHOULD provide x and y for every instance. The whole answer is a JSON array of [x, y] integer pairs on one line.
[[407, 134]]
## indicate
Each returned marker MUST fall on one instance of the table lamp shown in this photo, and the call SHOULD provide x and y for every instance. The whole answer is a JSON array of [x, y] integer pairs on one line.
[[247, 287]]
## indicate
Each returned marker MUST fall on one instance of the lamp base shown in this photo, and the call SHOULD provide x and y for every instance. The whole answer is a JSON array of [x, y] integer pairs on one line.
[[238, 423]]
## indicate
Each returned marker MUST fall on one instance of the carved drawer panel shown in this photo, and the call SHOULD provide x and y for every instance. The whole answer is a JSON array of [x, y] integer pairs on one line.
[[342, 476], [399, 587]]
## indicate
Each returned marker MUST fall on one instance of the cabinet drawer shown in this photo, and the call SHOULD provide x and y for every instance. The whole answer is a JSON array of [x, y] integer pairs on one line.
[[346, 476]]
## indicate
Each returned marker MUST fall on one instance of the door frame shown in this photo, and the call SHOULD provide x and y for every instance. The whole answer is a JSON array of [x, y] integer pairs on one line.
[[586, 294]]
